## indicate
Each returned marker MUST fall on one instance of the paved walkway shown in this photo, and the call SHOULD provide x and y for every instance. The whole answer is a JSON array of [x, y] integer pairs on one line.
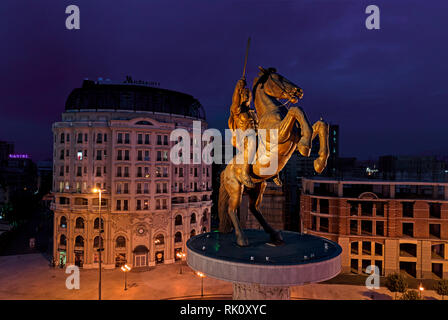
[[30, 277]]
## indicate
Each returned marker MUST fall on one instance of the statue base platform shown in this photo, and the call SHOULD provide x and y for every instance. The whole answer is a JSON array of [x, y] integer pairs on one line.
[[262, 271]]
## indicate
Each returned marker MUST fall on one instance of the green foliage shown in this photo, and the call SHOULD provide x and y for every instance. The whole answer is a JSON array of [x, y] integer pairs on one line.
[[396, 282], [411, 295], [442, 288]]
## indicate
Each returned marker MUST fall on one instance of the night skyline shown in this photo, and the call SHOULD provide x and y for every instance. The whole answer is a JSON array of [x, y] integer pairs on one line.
[[377, 85]]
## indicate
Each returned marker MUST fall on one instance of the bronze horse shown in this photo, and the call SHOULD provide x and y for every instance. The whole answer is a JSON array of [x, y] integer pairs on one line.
[[267, 89]]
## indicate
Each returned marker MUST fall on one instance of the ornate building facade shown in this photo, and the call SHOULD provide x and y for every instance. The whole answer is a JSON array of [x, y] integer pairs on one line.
[[396, 225], [116, 137]]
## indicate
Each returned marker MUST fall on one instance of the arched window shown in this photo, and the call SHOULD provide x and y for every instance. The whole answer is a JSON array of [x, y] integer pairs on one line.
[[79, 223], [79, 241], [204, 230], [96, 242], [159, 239], [63, 240], [96, 223], [63, 222], [193, 218], [120, 242], [178, 220], [192, 233], [178, 237]]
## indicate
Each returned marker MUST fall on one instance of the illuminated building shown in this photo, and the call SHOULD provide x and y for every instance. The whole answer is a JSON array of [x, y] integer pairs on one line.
[[395, 225], [116, 137]]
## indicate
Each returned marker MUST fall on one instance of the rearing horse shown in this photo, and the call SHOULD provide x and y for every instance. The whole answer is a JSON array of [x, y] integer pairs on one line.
[[268, 87]]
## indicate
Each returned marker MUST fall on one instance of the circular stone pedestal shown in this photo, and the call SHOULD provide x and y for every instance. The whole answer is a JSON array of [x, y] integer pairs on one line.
[[263, 271]]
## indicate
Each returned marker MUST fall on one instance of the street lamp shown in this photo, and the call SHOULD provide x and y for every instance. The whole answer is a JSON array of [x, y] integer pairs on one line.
[[125, 269], [202, 276], [180, 255], [420, 288], [99, 191]]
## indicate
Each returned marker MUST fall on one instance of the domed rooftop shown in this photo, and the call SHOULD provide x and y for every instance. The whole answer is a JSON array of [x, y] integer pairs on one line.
[[125, 97]]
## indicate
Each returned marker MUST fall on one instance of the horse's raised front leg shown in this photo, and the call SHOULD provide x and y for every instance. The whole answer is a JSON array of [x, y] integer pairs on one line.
[[322, 129], [296, 114], [235, 191], [255, 198]]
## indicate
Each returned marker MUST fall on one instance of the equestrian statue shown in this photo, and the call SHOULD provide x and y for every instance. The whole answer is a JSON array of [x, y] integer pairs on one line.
[[294, 133]]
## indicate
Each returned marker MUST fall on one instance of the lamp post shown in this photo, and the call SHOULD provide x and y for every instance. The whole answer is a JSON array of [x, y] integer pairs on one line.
[[420, 288], [99, 191], [180, 255], [125, 269], [201, 275]]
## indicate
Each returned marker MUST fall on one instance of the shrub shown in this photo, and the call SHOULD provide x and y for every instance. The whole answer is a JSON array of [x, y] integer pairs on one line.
[[396, 282]]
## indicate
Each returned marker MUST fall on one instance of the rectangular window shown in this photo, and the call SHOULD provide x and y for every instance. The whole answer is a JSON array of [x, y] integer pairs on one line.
[[118, 207], [139, 205], [408, 229], [79, 172], [145, 204], [98, 155], [118, 171], [323, 225], [157, 204], [139, 188], [140, 155], [119, 138], [366, 227], [126, 172], [127, 139], [125, 205], [379, 209], [159, 140], [379, 228], [126, 155], [408, 209], [164, 204], [353, 227], [126, 188], [434, 230], [147, 139], [99, 138], [159, 155], [98, 171], [366, 248], [79, 138], [354, 249], [120, 155], [434, 210], [139, 172], [147, 172], [140, 138], [146, 155], [146, 188], [165, 140]]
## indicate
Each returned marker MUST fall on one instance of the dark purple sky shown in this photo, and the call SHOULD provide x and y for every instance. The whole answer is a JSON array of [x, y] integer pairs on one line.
[[387, 89]]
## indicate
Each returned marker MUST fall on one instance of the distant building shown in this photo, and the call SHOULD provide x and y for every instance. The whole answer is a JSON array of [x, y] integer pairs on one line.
[[397, 226], [116, 137], [298, 167], [428, 168], [272, 207]]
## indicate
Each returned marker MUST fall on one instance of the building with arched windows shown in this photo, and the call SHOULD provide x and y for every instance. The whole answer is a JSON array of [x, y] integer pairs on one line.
[[116, 137], [399, 226]]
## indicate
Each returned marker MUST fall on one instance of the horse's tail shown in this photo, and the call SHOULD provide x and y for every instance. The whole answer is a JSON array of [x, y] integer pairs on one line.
[[225, 224]]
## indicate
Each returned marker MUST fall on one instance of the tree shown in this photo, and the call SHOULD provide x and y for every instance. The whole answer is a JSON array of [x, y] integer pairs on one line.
[[410, 295], [442, 288], [396, 282]]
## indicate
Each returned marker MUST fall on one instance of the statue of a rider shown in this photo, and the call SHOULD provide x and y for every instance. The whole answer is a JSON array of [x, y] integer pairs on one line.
[[242, 117]]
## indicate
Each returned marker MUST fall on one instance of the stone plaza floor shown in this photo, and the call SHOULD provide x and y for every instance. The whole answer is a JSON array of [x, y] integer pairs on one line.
[[30, 277]]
